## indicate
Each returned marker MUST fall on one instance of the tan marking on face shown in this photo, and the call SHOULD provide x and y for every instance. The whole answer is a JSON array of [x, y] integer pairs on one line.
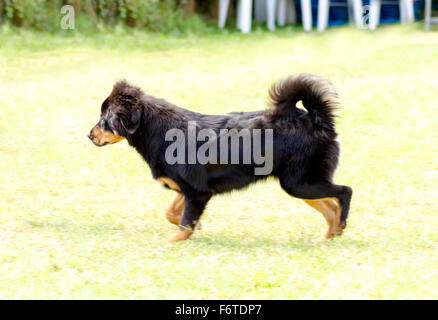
[[102, 137], [167, 182]]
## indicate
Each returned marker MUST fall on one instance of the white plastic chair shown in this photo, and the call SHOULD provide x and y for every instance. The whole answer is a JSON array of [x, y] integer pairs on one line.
[[272, 11], [244, 14], [283, 10], [354, 8], [287, 12], [406, 11], [427, 14], [306, 14], [428, 19], [260, 10]]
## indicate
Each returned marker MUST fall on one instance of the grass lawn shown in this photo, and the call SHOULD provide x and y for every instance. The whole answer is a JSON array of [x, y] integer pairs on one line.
[[77, 221]]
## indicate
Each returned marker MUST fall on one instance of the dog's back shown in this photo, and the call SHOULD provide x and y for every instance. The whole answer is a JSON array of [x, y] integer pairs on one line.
[[304, 142]]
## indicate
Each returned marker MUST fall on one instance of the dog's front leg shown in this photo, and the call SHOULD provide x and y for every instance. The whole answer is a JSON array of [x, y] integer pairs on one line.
[[194, 205], [175, 209]]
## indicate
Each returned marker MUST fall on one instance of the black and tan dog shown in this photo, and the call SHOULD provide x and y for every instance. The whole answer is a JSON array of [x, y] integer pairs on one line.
[[305, 150]]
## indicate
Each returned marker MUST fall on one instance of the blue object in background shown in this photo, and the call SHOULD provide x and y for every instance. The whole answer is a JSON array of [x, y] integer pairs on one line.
[[418, 5], [389, 13], [339, 15]]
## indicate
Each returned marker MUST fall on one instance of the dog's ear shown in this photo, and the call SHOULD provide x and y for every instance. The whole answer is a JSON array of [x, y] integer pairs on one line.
[[131, 122]]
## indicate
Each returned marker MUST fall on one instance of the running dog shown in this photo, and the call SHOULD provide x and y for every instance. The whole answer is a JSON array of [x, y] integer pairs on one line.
[[305, 151]]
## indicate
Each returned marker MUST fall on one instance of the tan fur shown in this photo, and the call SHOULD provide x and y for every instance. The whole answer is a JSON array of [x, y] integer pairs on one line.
[[102, 137], [181, 235], [175, 210], [331, 210], [167, 182]]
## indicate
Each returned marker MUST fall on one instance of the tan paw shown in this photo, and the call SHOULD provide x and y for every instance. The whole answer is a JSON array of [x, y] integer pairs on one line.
[[329, 235], [181, 235]]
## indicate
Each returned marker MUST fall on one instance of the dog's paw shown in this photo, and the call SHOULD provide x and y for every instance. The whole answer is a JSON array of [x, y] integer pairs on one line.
[[340, 228], [336, 233], [328, 235], [181, 235]]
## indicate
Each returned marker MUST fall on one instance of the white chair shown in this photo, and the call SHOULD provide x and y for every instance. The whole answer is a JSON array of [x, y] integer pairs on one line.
[[306, 14], [287, 12], [244, 14], [260, 10], [280, 11], [406, 11], [428, 19], [354, 8], [284, 10]]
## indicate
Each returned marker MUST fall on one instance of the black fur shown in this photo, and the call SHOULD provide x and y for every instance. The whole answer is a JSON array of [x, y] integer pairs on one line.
[[305, 150]]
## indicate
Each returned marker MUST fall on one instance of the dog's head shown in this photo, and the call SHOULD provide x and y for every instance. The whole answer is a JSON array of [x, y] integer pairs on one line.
[[120, 115]]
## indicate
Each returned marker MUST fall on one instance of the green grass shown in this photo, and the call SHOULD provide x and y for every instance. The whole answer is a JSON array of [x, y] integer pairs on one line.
[[78, 221]]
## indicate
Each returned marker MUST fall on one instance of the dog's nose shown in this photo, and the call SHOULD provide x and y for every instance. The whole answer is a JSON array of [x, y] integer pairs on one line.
[[89, 136]]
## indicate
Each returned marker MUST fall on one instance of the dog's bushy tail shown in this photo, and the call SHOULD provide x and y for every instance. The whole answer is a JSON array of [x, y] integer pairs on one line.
[[317, 94]]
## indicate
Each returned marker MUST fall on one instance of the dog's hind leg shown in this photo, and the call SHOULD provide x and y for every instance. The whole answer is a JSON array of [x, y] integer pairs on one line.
[[194, 205], [330, 213], [320, 191]]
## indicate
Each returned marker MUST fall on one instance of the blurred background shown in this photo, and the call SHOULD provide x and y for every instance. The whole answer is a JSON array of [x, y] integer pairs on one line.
[[198, 15]]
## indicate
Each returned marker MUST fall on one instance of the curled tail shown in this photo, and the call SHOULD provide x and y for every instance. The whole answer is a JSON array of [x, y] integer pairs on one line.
[[317, 94]]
